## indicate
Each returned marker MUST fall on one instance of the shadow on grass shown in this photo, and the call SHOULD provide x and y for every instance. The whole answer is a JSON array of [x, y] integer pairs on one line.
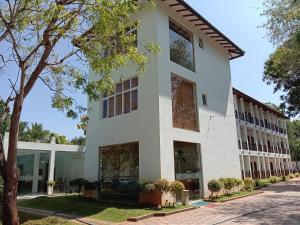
[[79, 206]]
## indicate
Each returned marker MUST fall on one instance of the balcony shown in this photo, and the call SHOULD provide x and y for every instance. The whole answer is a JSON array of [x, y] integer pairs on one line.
[[256, 121], [249, 119], [244, 145], [265, 149], [241, 116], [252, 146], [260, 147]]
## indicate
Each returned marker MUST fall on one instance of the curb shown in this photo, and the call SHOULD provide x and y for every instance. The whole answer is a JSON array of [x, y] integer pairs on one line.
[[160, 214]]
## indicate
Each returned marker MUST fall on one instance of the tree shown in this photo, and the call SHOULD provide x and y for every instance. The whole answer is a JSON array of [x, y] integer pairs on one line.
[[283, 67], [78, 141], [51, 41], [5, 123], [293, 128]]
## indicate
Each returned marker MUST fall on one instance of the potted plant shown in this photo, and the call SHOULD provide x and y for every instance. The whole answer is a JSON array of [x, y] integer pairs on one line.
[[90, 190], [176, 188], [150, 195], [50, 185]]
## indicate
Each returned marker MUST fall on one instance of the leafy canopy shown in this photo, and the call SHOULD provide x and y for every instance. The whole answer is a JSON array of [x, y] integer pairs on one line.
[[282, 69], [53, 41]]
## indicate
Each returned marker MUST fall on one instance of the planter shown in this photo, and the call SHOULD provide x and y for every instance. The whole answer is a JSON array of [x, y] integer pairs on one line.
[[50, 190], [90, 194], [153, 198]]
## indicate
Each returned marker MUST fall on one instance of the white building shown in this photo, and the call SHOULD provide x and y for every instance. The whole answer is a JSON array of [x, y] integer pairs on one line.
[[39, 163], [262, 138], [177, 120]]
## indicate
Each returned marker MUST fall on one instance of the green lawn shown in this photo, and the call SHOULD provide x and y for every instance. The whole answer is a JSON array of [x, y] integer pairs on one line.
[[28, 219], [85, 208], [226, 197]]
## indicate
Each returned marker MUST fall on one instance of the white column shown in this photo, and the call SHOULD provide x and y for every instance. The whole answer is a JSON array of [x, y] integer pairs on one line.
[[265, 169], [269, 166], [239, 135], [51, 166], [251, 110], [242, 107], [249, 161], [255, 138], [257, 112], [236, 107], [35, 178], [275, 162], [245, 131], [262, 114], [259, 166], [243, 165]]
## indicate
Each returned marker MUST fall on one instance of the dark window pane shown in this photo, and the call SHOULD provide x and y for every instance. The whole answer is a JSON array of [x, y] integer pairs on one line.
[[126, 102], [204, 99], [119, 104], [126, 85], [104, 109], [181, 47], [111, 107], [119, 88], [134, 82], [134, 100]]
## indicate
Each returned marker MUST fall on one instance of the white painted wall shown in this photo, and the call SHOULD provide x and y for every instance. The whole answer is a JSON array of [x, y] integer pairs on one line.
[[152, 126]]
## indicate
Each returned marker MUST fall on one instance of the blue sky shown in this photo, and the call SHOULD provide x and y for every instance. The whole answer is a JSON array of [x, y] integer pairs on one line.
[[239, 20]]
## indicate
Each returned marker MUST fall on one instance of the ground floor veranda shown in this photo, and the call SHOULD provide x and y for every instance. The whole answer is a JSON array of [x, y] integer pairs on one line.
[[260, 167]]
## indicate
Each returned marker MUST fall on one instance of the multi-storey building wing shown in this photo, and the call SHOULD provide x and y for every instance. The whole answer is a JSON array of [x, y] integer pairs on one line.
[[262, 138]]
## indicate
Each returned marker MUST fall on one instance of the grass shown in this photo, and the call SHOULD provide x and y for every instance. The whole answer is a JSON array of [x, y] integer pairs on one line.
[[28, 219], [93, 209]]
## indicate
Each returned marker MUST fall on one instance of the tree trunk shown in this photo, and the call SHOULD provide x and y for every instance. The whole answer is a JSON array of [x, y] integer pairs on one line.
[[11, 172]]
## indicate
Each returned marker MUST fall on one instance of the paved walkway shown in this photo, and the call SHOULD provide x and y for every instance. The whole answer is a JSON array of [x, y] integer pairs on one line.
[[279, 204]]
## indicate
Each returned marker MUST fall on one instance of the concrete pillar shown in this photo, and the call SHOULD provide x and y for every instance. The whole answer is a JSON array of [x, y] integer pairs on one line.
[[266, 141], [256, 112], [262, 114], [36, 167], [242, 107], [236, 107], [276, 168], [251, 109], [249, 162], [261, 142], [239, 136], [259, 166], [51, 166], [265, 168], [243, 165], [255, 138], [269, 166], [245, 134]]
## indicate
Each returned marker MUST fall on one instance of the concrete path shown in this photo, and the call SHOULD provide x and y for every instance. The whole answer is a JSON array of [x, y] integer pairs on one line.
[[279, 204]]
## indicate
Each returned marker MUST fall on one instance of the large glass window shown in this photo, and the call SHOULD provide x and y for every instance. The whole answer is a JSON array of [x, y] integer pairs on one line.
[[184, 104], [181, 46], [123, 100]]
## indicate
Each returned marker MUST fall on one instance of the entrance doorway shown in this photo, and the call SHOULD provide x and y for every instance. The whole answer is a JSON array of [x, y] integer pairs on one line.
[[188, 167]]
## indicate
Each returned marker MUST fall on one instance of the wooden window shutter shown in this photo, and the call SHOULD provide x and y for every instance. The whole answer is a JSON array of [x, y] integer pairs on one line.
[[183, 104]]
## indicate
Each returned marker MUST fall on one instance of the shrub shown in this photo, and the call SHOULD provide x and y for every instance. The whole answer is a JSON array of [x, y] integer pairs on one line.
[[249, 184], [273, 179], [297, 175], [291, 175], [147, 186], [51, 183], [214, 186], [285, 178], [162, 185], [229, 184], [237, 183], [176, 188], [78, 184], [221, 180], [258, 184]]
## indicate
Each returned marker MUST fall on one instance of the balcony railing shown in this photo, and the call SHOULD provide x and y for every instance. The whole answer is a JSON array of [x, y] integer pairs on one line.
[[241, 116], [244, 145], [256, 121], [252, 146]]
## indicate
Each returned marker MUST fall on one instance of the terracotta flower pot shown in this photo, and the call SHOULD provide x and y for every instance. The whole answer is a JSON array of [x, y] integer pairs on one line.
[[153, 198]]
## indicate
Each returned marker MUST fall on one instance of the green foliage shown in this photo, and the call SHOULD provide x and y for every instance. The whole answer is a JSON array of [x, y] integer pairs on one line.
[[5, 126], [221, 180], [273, 179], [79, 141], [258, 184], [176, 187], [248, 184], [147, 186], [229, 183], [78, 184], [293, 128], [162, 185], [51, 183], [282, 69], [214, 186], [291, 176]]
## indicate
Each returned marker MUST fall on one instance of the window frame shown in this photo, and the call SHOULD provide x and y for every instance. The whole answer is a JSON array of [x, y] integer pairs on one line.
[[107, 97], [191, 41]]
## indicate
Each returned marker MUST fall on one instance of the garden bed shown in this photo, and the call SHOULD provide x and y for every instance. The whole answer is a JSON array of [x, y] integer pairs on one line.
[[233, 196]]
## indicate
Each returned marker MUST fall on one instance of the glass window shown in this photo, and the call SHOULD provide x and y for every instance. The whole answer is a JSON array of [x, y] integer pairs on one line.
[[111, 107], [204, 99], [134, 100], [126, 102], [122, 100], [119, 104], [181, 46], [104, 109]]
